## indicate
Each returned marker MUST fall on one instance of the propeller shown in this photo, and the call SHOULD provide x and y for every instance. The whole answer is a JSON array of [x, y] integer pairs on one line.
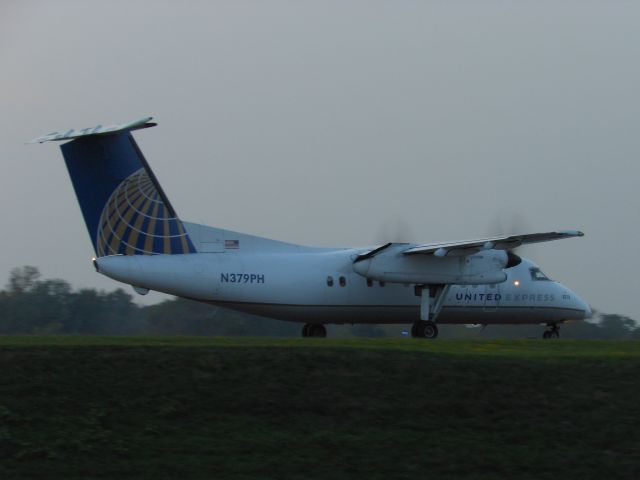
[[396, 230], [512, 224]]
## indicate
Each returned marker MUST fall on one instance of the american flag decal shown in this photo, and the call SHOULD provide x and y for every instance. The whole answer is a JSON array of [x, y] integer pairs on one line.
[[231, 244]]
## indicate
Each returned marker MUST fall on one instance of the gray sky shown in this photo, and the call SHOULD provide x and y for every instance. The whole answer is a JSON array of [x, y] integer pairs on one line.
[[332, 122]]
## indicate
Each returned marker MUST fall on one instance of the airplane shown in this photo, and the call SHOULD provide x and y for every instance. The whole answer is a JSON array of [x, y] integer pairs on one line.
[[140, 240]]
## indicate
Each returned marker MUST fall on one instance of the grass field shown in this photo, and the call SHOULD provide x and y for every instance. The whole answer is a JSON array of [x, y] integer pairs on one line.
[[138, 407]]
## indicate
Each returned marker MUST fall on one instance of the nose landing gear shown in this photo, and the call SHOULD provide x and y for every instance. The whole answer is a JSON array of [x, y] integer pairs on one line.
[[314, 330], [553, 332]]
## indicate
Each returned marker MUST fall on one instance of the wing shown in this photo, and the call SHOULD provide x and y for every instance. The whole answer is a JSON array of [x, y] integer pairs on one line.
[[508, 242]]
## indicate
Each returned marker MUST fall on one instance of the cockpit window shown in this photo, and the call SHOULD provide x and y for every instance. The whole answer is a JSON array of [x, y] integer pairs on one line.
[[537, 274]]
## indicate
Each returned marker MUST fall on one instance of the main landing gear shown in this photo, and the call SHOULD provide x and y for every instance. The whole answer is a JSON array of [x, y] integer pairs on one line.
[[424, 329], [553, 332], [314, 330], [431, 300]]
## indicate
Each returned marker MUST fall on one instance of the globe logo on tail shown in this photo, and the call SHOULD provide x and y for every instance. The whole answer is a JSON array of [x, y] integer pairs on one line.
[[136, 221]]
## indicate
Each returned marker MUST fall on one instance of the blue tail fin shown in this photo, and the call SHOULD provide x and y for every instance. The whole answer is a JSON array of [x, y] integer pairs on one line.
[[124, 207]]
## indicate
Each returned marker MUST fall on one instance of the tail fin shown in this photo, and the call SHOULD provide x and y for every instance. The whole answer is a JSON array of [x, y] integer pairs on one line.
[[124, 207]]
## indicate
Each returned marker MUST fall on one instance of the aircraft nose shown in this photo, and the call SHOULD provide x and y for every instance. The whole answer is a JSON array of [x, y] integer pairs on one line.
[[582, 305], [576, 303]]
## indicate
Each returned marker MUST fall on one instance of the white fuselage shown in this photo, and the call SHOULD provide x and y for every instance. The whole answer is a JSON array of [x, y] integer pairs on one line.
[[320, 286]]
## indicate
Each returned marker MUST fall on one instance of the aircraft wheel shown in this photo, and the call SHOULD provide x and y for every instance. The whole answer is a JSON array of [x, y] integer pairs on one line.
[[546, 335], [424, 329], [554, 334], [430, 330], [414, 330], [314, 330]]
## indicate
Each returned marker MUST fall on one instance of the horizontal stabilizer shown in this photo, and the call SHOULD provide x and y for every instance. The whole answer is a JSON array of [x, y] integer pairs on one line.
[[97, 130]]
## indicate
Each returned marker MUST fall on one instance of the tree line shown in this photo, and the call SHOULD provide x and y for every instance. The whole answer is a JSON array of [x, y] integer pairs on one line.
[[32, 305]]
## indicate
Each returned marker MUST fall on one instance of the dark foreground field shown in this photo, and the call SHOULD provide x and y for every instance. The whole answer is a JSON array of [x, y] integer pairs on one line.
[[90, 407]]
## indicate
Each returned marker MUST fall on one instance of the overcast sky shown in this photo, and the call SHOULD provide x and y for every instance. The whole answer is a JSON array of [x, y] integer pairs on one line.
[[339, 123]]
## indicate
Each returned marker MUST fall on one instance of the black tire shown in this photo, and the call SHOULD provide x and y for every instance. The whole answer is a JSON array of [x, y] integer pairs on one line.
[[317, 330], [424, 329], [430, 330], [554, 334], [305, 330], [546, 335]]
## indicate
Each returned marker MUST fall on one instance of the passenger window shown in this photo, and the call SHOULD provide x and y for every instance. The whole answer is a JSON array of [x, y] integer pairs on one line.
[[343, 281], [537, 274], [330, 281]]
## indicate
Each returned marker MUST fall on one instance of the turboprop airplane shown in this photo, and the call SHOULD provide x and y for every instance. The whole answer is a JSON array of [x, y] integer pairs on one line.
[[139, 240]]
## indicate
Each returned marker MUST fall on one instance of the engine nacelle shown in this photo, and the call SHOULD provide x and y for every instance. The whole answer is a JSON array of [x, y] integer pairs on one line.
[[484, 267]]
